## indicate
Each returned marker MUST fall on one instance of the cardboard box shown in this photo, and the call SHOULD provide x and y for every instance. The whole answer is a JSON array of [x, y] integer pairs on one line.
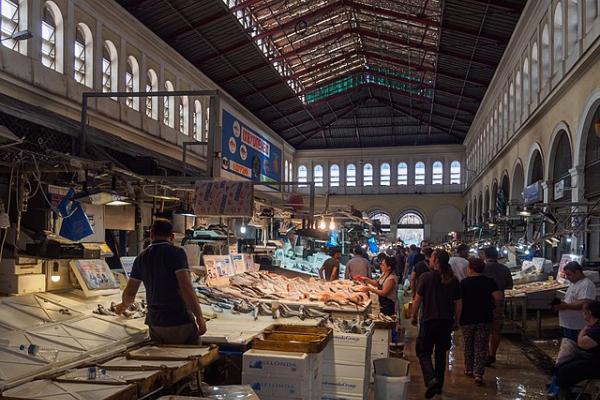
[[352, 339], [381, 336], [11, 266], [352, 355], [345, 370], [340, 396], [22, 284], [275, 363], [341, 384], [277, 388]]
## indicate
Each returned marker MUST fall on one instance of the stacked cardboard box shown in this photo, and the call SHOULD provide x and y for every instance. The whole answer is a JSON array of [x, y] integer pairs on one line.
[[381, 345], [21, 275], [346, 367], [276, 375]]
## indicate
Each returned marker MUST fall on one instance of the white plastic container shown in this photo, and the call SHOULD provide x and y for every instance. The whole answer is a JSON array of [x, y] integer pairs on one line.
[[391, 379]]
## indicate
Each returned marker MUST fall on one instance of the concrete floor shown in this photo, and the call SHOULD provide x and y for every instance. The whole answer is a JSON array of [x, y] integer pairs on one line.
[[513, 377]]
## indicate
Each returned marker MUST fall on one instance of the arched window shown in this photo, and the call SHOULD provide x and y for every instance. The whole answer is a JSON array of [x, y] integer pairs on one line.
[[420, 173], [501, 119], [505, 116], [545, 54], [13, 20], [410, 228], [511, 107], [572, 24], [302, 175], [318, 175], [455, 173], [437, 173], [286, 171], [350, 175], [52, 37], [110, 68], [591, 13], [206, 121], [334, 175], [383, 220], [197, 123], [291, 172], [368, 175], [168, 106], [535, 69], [557, 36], [132, 82], [83, 62], [518, 93], [184, 111], [152, 102], [385, 174], [402, 174], [525, 83]]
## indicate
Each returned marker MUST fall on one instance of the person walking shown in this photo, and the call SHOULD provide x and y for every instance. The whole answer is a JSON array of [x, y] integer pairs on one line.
[[358, 265], [479, 294], [386, 287], [420, 268], [438, 294], [501, 274], [330, 270], [460, 262], [174, 314]]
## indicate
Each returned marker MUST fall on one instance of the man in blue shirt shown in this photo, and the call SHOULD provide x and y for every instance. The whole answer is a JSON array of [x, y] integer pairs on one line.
[[174, 315]]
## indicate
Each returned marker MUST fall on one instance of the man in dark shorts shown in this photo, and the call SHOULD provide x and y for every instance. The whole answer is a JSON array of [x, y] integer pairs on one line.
[[174, 315], [501, 274]]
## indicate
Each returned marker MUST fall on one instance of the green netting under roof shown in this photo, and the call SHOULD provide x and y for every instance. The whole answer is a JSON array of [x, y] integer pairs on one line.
[[385, 77], [336, 87]]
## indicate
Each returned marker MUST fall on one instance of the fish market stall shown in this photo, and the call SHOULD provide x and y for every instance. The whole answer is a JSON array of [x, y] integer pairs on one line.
[[268, 294]]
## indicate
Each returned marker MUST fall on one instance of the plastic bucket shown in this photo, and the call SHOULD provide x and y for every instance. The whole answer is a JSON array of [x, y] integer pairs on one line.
[[391, 379]]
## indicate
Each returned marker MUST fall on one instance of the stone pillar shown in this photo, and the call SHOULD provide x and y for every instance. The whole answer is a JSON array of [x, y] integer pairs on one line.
[[577, 196]]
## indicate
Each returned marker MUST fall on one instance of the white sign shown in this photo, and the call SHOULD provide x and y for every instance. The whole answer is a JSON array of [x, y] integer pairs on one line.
[[559, 189], [218, 270], [565, 259]]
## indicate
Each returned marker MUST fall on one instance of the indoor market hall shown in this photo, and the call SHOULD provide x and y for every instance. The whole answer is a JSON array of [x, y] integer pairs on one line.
[[299, 199]]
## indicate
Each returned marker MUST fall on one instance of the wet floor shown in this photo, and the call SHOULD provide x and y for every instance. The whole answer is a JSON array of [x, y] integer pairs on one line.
[[513, 377]]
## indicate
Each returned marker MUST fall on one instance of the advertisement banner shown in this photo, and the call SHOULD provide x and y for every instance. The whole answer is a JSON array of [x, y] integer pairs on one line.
[[248, 153], [224, 199], [533, 193]]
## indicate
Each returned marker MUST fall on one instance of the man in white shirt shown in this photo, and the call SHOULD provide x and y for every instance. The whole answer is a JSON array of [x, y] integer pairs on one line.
[[580, 291], [460, 263]]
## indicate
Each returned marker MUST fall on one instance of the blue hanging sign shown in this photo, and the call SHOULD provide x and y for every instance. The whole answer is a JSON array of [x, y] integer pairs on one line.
[[533, 193], [248, 153]]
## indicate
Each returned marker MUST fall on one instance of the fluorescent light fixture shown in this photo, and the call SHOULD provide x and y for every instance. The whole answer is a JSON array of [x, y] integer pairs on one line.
[[184, 211], [163, 197], [103, 198], [525, 212], [118, 202]]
